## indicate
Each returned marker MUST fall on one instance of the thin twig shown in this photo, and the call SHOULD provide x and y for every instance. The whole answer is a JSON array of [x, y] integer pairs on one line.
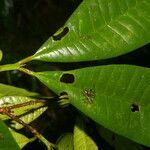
[[8, 112], [26, 104]]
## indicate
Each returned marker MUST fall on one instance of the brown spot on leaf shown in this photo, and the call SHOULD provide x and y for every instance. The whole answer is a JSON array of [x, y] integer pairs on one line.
[[89, 95]]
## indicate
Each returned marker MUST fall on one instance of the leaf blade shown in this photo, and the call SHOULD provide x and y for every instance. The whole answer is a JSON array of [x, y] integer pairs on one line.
[[28, 117], [19, 101], [8, 90], [81, 139], [1, 55], [100, 29], [118, 142], [20, 139], [66, 142], [120, 100], [6, 139]]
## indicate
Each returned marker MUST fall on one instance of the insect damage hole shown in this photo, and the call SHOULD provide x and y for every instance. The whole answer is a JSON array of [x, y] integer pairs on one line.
[[67, 78], [134, 108], [63, 95], [61, 34]]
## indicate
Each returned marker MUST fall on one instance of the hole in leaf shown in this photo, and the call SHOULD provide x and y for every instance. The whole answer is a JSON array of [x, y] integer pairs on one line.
[[67, 78], [134, 108], [63, 93], [60, 35]]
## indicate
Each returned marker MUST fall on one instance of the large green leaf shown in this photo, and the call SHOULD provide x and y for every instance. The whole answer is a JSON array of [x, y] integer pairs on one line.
[[115, 96], [99, 29], [6, 140], [81, 139], [65, 142]]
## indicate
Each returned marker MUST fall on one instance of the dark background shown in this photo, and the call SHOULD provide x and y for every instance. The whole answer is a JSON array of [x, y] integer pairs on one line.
[[24, 26]]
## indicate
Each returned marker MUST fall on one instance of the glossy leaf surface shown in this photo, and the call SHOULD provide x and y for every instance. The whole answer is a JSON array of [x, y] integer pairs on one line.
[[115, 96], [6, 140], [99, 29]]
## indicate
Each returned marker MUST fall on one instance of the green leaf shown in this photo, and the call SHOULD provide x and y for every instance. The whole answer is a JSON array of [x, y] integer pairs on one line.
[[115, 96], [21, 139], [1, 55], [19, 101], [28, 117], [99, 29], [65, 142], [6, 140], [7, 90], [81, 139], [118, 142]]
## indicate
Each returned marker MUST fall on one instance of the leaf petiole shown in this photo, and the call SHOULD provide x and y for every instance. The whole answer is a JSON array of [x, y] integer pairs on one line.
[[27, 71], [25, 60], [9, 67]]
